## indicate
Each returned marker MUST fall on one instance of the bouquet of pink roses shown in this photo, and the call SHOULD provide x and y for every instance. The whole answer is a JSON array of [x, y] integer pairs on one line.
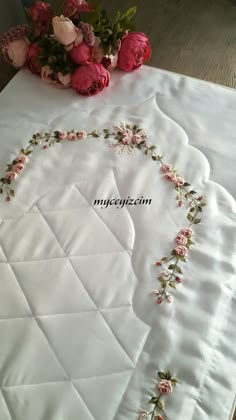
[[76, 45]]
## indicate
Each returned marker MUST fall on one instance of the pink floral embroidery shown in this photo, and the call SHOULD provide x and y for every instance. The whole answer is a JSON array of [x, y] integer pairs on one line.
[[164, 389], [72, 136], [181, 250], [63, 135], [179, 182], [18, 168], [181, 239], [22, 159], [81, 135], [187, 232], [166, 168], [11, 175]]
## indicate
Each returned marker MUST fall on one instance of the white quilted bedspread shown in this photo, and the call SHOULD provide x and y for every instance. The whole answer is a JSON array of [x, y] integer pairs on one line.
[[81, 335]]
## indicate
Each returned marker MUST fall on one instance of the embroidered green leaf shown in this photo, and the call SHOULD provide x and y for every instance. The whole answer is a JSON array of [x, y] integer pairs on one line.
[[173, 285], [161, 405], [164, 259], [28, 152], [1, 190], [192, 192], [107, 136], [154, 157], [152, 147], [199, 208], [183, 259], [168, 375], [178, 269], [153, 400], [12, 193], [161, 375], [175, 381], [192, 210], [186, 184], [171, 266], [196, 221], [203, 204], [173, 252], [190, 217]]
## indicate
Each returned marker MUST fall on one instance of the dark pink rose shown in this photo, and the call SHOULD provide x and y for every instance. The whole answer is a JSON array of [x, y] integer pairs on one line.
[[165, 386], [170, 177], [75, 7], [181, 250], [82, 54], [32, 59], [81, 135], [72, 137], [18, 168], [135, 50], [90, 79], [41, 14], [187, 232]]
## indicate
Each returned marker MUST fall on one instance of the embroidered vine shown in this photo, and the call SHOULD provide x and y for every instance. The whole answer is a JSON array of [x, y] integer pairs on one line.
[[125, 138], [164, 388]]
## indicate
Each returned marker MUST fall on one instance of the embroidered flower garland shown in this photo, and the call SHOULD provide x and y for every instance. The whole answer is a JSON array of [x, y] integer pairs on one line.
[[125, 138], [164, 387]]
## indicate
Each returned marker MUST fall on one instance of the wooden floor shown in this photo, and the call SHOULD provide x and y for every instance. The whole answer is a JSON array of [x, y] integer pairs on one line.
[[192, 37]]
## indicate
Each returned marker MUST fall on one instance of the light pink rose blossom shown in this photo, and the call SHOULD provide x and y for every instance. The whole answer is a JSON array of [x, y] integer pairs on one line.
[[11, 175], [181, 203], [181, 239], [18, 168], [181, 250], [63, 135], [179, 182], [170, 176], [169, 298], [64, 30], [164, 274], [81, 135], [187, 232], [165, 387], [166, 168], [156, 292], [143, 415], [159, 300], [72, 137], [22, 159], [127, 136], [136, 139]]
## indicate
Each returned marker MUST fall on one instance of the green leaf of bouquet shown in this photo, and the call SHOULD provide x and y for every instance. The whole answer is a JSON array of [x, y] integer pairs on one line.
[[129, 14]]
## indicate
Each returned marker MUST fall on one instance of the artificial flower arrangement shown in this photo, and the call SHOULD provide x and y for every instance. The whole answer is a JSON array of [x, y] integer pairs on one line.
[[76, 45]]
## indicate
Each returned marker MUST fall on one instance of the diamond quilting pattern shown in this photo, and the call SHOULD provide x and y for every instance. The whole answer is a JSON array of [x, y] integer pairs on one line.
[[72, 305]]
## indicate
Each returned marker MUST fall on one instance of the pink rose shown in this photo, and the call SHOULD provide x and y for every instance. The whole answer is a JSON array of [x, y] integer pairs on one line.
[[166, 168], [181, 203], [159, 263], [82, 54], [22, 159], [165, 386], [181, 250], [63, 135], [32, 58], [179, 182], [75, 7], [181, 239], [90, 79], [57, 79], [41, 14], [178, 279], [11, 175], [187, 232], [136, 139], [164, 274], [72, 137], [64, 30], [170, 177], [135, 50], [16, 52], [81, 135], [18, 168], [159, 300], [169, 298]]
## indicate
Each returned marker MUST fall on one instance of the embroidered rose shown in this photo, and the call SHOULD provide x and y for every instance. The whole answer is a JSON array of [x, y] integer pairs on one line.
[[21, 159], [170, 176], [64, 30], [165, 387], [187, 232], [18, 168], [11, 175], [63, 135], [169, 298], [166, 168], [181, 239], [135, 50], [136, 139], [159, 300], [81, 135], [72, 137], [181, 250], [164, 274], [179, 182]]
